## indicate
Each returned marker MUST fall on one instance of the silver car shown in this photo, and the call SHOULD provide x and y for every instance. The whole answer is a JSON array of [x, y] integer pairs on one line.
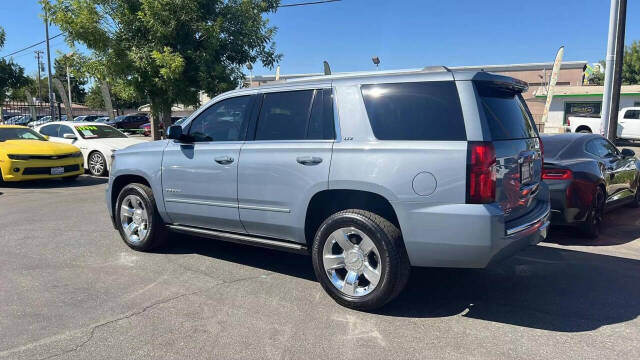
[[369, 173]]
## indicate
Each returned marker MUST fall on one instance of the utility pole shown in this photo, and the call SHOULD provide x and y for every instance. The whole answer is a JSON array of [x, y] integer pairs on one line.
[[612, 130], [614, 28], [38, 53], [46, 30]]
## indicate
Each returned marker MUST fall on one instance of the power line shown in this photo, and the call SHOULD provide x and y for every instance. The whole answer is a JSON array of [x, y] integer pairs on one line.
[[32, 46], [309, 3]]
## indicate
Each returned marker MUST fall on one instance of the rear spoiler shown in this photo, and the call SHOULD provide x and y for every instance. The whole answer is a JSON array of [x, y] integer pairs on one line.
[[502, 82]]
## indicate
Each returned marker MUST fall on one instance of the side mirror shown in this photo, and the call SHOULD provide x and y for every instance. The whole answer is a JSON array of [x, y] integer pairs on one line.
[[175, 132], [626, 153], [69, 136]]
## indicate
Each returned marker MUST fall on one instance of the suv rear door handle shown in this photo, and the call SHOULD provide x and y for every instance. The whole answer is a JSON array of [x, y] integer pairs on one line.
[[224, 160], [309, 160]]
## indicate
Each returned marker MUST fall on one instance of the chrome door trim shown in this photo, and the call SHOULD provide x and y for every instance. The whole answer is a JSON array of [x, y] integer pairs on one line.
[[199, 202], [264, 208]]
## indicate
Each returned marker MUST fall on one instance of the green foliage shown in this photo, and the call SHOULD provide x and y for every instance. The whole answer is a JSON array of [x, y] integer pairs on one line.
[[11, 74], [78, 78], [630, 67], [168, 50], [120, 98]]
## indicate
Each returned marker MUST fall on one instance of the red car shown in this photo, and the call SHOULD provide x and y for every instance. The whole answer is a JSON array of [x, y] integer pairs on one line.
[[146, 128]]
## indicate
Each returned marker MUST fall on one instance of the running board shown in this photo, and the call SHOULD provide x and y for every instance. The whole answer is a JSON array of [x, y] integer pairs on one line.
[[241, 239]]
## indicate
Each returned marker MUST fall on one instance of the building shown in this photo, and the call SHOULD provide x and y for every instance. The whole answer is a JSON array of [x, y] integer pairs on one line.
[[582, 101], [537, 75]]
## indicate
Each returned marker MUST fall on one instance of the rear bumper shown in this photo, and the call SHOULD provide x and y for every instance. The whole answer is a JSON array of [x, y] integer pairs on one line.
[[467, 235]]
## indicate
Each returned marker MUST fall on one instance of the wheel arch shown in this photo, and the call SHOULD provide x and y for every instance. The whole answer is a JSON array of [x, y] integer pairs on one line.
[[119, 182], [327, 202]]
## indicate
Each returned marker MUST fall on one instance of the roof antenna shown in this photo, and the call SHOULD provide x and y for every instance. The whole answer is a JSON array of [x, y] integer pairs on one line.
[[327, 69]]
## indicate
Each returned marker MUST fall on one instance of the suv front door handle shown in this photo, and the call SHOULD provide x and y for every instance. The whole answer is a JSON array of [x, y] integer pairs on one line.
[[224, 160], [309, 160]]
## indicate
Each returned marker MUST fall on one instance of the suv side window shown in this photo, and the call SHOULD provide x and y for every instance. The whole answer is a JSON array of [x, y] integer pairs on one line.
[[284, 115], [223, 121], [64, 129], [602, 148], [632, 114], [414, 111], [321, 124], [50, 130]]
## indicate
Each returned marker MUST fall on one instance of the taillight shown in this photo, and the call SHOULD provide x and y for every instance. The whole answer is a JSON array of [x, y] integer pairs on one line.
[[556, 174], [481, 173]]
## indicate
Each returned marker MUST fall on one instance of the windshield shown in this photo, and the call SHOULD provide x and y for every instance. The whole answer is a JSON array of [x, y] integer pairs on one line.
[[19, 134], [99, 132]]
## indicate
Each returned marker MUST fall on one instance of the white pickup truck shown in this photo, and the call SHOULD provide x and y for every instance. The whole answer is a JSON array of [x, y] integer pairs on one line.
[[628, 124]]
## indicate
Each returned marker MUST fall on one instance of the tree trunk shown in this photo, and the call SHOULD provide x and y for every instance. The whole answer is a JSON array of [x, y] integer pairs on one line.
[[160, 114]]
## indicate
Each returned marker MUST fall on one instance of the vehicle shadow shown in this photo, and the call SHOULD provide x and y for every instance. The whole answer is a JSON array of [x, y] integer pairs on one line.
[[542, 287], [620, 226], [83, 180]]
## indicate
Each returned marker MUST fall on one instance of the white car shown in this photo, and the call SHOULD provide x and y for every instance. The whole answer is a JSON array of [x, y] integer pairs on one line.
[[628, 124], [96, 141]]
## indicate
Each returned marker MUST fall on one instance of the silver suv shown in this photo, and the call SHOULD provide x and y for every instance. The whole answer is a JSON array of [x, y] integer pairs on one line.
[[369, 173]]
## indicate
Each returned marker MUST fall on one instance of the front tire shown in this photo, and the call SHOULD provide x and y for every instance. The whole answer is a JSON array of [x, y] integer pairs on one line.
[[137, 218], [591, 227], [97, 164], [359, 259]]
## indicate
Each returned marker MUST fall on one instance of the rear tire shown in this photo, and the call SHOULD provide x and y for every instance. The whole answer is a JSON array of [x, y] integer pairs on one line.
[[137, 218], [359, 259], [585, 131], [591, 227]]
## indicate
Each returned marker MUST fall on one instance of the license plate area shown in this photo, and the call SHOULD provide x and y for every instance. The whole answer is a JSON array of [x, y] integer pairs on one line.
[[57, 170], [525, 172]]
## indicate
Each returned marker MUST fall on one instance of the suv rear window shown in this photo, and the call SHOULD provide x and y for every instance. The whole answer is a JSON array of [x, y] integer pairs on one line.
[[415, 111], [506, 113]]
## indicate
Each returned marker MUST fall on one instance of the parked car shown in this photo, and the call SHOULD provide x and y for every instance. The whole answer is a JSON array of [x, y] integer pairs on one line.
[[628, 124], [129, 121], [97, 142], [146, 128], [102, 119], [369, 173], [19, 120], [586, 175], [26, 155]]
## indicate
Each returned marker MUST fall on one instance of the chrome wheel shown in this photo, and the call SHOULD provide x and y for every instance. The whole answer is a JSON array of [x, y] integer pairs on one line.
[[96, 164], [352, 261], [134, 219]]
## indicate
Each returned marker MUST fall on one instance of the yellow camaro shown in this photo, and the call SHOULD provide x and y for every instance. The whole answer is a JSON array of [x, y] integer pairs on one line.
[[27, 155]]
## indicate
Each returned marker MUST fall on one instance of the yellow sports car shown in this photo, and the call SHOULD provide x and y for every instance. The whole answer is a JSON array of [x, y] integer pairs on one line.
[[27, 155]]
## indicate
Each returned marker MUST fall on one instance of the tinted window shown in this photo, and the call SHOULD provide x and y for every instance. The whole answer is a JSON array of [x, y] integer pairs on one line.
[[415, 111], [223, 121], [65, 130], [506, 113], [50, 130], [321, 124], [284, 115], [99, 132], [19, 134], [632, 114], [601, 148]]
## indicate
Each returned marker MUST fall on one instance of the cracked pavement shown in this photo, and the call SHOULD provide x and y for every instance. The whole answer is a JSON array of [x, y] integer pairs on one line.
[[71, 289]]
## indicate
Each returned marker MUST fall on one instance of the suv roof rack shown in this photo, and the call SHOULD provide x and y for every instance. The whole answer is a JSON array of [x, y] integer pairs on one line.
[[435, 68]]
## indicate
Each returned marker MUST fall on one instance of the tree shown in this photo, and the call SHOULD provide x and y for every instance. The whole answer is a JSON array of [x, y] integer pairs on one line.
[[630, 67], [78, 80], [166, 51], [11, 75], [94, 99]]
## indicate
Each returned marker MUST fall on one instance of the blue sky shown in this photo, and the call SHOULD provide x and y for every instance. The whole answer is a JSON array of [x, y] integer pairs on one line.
[[404, 34]]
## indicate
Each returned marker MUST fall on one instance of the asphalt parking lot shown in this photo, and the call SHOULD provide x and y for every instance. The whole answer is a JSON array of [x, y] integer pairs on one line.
[[71, 289]]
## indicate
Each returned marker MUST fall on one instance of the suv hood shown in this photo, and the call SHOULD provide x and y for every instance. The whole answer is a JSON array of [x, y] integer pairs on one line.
[[36, 147]]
